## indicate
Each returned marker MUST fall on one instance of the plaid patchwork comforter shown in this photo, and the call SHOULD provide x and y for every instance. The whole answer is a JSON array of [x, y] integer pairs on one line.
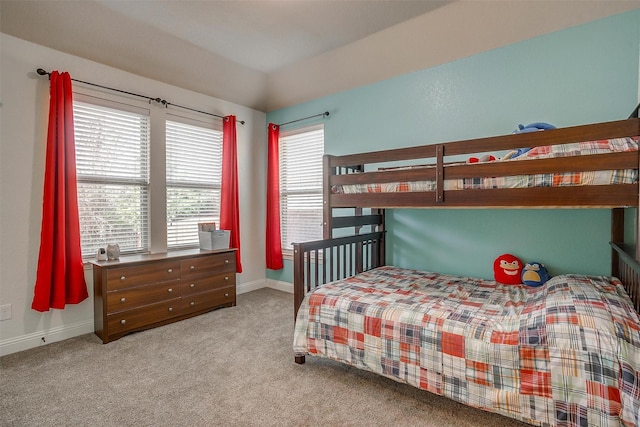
[[624, 176], [564, 354]]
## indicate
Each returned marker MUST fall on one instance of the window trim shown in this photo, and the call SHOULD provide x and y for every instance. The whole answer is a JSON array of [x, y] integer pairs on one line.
[[158, 115]]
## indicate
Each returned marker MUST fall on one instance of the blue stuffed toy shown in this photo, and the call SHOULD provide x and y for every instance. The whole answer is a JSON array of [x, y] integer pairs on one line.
[[535, 274], [533, 127]]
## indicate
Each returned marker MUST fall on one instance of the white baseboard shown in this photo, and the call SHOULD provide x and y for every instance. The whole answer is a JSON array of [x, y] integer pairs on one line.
[[243, 288], [264, 283], [278, 285], [35, 339]]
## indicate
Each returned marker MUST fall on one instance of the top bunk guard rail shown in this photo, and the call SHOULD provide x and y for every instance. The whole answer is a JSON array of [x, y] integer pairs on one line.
[[615, 195], [323, 261], [615, 129]]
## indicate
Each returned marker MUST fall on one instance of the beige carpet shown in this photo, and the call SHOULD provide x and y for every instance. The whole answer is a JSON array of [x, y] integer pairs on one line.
[[230, 367]]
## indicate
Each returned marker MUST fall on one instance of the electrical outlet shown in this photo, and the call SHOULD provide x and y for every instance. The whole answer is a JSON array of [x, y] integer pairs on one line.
[[5, 312]]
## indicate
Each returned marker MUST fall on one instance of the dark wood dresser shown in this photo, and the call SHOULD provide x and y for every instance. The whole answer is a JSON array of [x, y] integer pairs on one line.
[[144, 291]]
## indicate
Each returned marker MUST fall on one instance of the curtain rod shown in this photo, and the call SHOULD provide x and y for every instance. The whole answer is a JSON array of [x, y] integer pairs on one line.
[[164, 102], [325, 114]]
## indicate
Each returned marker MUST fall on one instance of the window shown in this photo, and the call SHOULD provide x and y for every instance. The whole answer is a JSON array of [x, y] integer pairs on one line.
[[301, 154], [146, 176], [112, 165], [194, 173]]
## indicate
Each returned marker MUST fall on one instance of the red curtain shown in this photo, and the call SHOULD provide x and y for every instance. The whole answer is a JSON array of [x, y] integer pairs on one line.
[[60, 276], [273, 241], [229, 208]]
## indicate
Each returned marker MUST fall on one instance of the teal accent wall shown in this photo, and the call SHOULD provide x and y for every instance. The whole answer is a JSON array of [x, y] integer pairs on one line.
[[576, 76]]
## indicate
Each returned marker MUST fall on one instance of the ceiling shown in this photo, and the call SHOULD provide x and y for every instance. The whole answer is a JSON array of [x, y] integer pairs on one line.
[[267, 35], [228, 49]]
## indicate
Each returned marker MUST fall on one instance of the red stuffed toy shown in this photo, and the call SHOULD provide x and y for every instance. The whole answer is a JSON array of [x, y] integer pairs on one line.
[[481, 159], [507, 269]]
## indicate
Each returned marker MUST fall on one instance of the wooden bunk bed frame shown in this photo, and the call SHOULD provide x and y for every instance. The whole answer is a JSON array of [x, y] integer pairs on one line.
[[333, 258]]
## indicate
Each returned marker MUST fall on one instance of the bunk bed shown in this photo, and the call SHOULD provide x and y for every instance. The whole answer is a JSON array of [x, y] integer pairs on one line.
[[563, 354]]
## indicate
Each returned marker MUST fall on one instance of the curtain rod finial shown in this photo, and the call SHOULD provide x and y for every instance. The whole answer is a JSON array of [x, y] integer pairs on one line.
[[326, 114], [41, 72]]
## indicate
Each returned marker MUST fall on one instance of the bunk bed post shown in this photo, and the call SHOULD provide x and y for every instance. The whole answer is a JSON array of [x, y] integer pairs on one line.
[[298, 279], [327, 172], [617, 236], [637, 242], [381, 252], [382, 260], [358, 248], [439, 173]]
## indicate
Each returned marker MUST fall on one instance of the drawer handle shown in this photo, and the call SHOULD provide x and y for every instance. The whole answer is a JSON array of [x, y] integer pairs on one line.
[[226, 277], [226, 295], [123, 322], [123, 299], [226, 261], [192, 303], [193, 267], [170, 290], [122, 277], [170, 270], [193, 285], [170, 309]]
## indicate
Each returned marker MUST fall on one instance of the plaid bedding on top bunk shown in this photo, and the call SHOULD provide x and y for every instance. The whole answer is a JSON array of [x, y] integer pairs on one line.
[[564, 354], [606, 177]]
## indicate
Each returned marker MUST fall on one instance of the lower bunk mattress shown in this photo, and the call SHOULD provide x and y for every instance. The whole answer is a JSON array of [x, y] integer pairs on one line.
[[563, 354]]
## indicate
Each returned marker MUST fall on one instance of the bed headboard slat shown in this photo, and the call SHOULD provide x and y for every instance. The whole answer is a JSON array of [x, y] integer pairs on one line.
[[341, 257]]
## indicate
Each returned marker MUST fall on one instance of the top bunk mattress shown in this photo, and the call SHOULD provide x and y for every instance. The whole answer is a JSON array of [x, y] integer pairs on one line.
[[584, 178]]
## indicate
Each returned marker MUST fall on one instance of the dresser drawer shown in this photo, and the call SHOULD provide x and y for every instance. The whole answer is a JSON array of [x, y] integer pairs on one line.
[[126, 277], [208, 283], [207, 300], [124, 321], [201, 266], [125, 299]]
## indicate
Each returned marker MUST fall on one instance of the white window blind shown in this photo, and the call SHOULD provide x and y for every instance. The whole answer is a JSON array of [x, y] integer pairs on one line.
[[194, 173], [112, 164], [301, 185]]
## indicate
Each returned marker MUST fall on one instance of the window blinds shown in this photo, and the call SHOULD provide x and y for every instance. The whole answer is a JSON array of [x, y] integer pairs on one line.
[[194, 167], [301, 185], [112, 165]]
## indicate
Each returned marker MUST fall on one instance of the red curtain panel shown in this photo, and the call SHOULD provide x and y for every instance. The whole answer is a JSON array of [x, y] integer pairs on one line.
[[273, 241], [60, 275], [229, 208]]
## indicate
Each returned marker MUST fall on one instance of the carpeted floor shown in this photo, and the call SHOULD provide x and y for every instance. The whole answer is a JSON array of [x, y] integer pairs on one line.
[[230, 367]]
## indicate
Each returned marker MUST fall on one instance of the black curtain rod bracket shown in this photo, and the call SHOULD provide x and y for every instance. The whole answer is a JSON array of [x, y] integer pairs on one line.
[[159, 101], [164, 102]]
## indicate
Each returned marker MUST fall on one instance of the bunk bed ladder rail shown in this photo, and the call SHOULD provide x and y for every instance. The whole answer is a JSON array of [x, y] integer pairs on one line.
[[323, 261]]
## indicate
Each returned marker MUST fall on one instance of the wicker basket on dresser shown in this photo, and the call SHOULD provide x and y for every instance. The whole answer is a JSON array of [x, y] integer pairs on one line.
[[145, 291]]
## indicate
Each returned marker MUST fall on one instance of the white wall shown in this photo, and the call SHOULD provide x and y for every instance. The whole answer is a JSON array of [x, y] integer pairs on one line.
[[23, 120]]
